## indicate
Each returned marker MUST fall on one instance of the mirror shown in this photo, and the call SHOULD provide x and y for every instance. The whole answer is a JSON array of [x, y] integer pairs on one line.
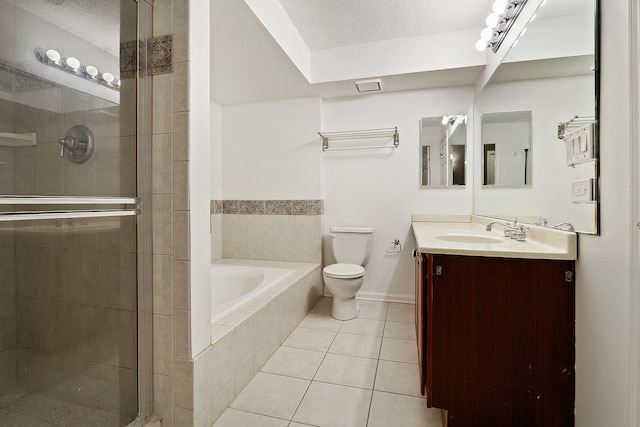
[[443, 146], [547, 82], [506, 148]]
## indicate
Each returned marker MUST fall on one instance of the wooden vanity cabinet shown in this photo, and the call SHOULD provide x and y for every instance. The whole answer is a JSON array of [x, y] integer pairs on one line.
[[496, 338]]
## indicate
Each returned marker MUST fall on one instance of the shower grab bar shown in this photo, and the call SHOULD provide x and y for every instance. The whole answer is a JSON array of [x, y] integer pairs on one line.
[[45, 215], [360, 134], [63, 200]]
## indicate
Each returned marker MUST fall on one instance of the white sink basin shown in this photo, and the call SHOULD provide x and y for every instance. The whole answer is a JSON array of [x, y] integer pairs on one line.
[[468, 238]]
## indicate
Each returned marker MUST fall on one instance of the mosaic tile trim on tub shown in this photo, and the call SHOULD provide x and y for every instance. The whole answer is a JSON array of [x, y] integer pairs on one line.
[[268, 207]]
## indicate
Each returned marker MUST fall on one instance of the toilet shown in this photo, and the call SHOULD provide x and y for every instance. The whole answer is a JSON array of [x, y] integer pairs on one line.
[[351, 247]]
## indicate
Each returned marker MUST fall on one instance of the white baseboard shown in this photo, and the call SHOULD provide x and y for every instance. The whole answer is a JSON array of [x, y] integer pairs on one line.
[[379, 296]]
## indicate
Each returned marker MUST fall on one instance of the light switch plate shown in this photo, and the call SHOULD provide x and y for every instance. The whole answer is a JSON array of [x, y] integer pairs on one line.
[[582, 190]]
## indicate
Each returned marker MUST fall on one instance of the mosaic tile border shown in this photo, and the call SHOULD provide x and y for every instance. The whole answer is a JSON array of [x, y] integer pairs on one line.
[[128, 59], [216, 207], [160, 56], [267, 207]]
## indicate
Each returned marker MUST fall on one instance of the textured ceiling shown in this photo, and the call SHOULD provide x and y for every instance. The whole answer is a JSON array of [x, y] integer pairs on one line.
[[326, 24], [334, 23], [96, 21]]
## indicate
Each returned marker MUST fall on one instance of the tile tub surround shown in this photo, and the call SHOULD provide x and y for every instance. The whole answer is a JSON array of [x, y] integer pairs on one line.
[[276, 230], [356, 373], [242, 342]]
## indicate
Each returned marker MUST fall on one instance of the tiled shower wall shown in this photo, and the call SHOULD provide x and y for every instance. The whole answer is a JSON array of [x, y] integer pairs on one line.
[[173, 366], [274, 230]]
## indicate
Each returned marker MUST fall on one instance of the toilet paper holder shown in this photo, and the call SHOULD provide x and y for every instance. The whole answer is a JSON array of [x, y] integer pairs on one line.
[[396, 244]]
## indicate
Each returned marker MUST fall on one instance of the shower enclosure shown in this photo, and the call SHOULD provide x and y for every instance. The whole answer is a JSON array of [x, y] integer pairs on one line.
[[73, 241]]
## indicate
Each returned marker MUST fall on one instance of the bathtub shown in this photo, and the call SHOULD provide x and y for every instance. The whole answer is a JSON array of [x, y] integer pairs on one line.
[[233, 285]]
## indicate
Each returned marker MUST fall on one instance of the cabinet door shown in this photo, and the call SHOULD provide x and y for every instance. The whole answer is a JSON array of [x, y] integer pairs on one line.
[[503, 339], [420, 265]]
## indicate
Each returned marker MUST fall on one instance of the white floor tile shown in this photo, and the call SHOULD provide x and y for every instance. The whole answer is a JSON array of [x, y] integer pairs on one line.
[[398, 377], [389, 409], [272, 395], [294, 362], [400, 330], [401, 313], [294, 424], [347, 370], [374, 312], [235, 418], [310, 339], [321, 322], [399, 350], [356, 345], [330, 405], [323, 306], [370, 303], [360, 326]]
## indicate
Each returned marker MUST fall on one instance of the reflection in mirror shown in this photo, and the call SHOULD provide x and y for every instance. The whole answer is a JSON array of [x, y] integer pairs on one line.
[[506, 148], [551, 73], [443, 150]]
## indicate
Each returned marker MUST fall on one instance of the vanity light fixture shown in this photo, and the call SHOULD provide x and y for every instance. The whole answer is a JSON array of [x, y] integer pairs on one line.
[[504, 14], [71, 65], [371, 85]]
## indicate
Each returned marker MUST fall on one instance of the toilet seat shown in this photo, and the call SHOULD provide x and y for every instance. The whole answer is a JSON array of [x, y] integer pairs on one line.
[[343, 271]]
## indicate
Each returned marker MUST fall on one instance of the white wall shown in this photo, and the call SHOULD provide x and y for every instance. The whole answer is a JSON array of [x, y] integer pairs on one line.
[[271, 150], [603, 282], [216, 151], [199, 181], [380, 188]]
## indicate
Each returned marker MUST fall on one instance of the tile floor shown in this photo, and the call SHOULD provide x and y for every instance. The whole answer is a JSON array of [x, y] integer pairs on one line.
[[328, 373]]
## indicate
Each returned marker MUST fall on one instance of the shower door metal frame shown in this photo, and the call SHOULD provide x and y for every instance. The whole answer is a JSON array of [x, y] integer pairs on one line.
[[144, 229]]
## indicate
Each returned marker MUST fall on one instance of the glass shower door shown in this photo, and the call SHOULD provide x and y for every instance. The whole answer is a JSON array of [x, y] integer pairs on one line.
[[68, 212]]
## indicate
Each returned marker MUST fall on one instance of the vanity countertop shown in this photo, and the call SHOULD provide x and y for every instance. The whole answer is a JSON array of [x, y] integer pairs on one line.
[[467, 235]]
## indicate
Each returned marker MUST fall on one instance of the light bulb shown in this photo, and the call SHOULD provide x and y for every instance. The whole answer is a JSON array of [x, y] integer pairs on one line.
[[515, 43], [499, 6], [524, 30], [486, 34], [53, 55], [445, 120], [533, 17], [73, 63], [107, 77], [481, 45], [92, 71], [492, 20]]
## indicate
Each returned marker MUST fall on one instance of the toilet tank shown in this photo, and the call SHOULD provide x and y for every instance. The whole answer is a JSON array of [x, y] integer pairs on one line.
[[351, 245]]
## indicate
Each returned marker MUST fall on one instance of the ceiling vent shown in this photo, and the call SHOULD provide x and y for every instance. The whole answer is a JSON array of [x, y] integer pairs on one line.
[[372, 85]]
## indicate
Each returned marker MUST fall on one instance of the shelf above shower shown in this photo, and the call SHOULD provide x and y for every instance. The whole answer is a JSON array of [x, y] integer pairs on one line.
[[8, 139]]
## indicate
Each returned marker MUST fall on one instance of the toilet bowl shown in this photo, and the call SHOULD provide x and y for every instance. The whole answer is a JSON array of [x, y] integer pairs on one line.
[[344, 279]]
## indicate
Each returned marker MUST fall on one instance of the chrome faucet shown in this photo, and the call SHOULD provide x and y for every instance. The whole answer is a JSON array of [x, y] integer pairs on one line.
[[515, 231], [566, 225], [506, 225]]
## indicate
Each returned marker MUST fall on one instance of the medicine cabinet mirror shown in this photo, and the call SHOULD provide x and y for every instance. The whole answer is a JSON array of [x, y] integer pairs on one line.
[[547, 84], [443, 147], [506, 149]]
